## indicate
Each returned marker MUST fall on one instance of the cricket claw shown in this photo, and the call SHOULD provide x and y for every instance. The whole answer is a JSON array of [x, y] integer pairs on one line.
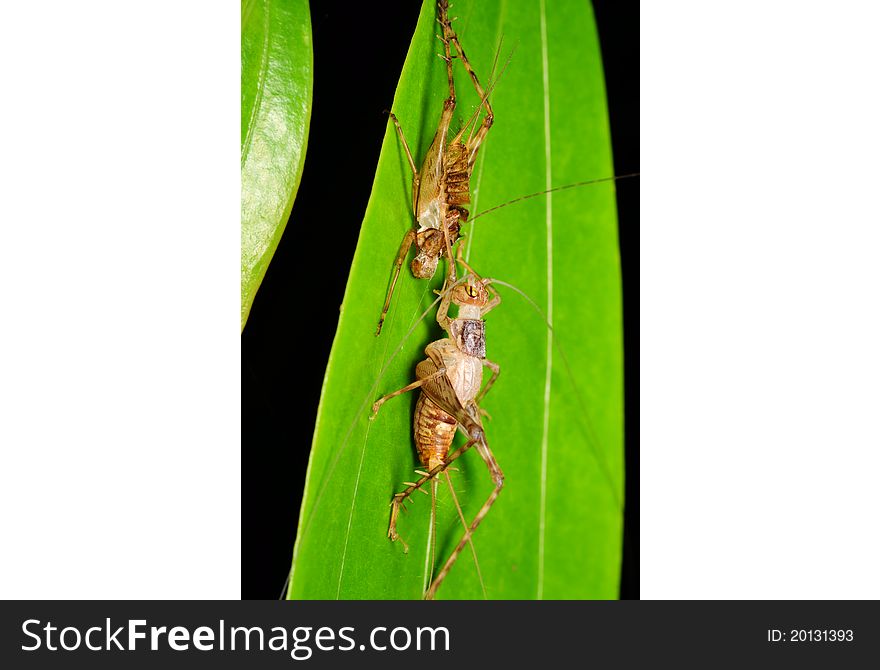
[[395, 537], [392, 524]]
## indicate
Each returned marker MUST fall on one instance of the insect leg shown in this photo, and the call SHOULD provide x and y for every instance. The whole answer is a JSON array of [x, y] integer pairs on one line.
[[409, 387], [400, 498], [409, 157], [443, 310], [408, 240], [496, 370], [498, 478], [473, 145], [450, 34], [410, 237], [464, 523], [443, 20]]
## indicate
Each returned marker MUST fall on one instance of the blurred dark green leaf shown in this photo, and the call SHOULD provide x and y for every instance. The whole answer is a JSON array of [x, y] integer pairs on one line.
[[276, 102]]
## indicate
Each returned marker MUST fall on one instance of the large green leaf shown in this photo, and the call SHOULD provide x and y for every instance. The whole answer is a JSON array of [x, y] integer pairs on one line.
[[276, 102], [557, 417]]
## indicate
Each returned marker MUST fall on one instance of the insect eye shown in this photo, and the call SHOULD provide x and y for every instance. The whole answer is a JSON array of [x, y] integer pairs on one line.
[[472, 292]]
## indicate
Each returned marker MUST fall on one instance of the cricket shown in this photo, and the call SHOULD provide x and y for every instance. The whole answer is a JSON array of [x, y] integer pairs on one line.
[[450, 380], [442, 187], [556, 435]]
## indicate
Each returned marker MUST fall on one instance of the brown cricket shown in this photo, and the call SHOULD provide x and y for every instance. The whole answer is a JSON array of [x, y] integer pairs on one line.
[[450, 379], [442, 187]]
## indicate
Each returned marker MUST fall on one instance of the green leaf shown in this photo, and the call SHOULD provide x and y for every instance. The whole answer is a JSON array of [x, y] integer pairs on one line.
[[276, 102], [556, 529]]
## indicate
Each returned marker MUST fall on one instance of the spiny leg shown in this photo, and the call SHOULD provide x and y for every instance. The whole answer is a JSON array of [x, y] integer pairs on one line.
[[498, 479], [438, 146], [448, 34], [474, 144], [407, 242], [400, 498], [395, 510], [443, 20], [464, 524], [467, 66]]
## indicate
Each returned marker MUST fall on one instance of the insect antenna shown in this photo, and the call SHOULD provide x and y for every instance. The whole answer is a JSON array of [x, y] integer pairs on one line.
[[283, 594], [593, 440], [430, 555], [491, 82], [553, 190], [466, 527], [495, 60], [490, 88]]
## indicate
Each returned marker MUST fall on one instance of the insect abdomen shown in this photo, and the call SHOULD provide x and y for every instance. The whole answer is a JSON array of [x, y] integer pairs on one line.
[[433, 431], [458, 175]]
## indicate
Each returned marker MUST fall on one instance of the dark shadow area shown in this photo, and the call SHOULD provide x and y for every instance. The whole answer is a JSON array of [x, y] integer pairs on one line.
[[618, 25], [293, 320]]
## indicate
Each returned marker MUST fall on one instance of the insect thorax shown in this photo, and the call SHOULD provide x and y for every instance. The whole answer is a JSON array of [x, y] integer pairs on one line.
[[470, 336], [430, 216]]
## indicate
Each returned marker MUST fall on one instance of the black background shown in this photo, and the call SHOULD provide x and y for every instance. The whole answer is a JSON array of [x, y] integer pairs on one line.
[[357, 59]]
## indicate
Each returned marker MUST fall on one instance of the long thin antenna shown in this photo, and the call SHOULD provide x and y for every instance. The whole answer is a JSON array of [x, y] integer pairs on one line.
[[491, 82], [489, 89], [592, 438], [552, 190], [466, 527], [433, 530]]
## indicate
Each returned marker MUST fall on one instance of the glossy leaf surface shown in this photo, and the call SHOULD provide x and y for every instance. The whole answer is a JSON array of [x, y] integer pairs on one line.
[[557, 415], [276, 100]]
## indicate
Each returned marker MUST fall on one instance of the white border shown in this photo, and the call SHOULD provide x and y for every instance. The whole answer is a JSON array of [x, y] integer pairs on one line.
[[760, 274], [119, 360]]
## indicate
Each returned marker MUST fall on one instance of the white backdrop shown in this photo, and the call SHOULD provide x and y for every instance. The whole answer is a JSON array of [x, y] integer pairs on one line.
[[119, 257], [119, 364]]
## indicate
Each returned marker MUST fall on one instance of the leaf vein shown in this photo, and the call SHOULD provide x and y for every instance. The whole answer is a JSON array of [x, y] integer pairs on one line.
[[548, 180]]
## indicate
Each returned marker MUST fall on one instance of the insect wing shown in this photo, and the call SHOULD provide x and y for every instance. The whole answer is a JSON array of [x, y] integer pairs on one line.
[[441, 392]]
